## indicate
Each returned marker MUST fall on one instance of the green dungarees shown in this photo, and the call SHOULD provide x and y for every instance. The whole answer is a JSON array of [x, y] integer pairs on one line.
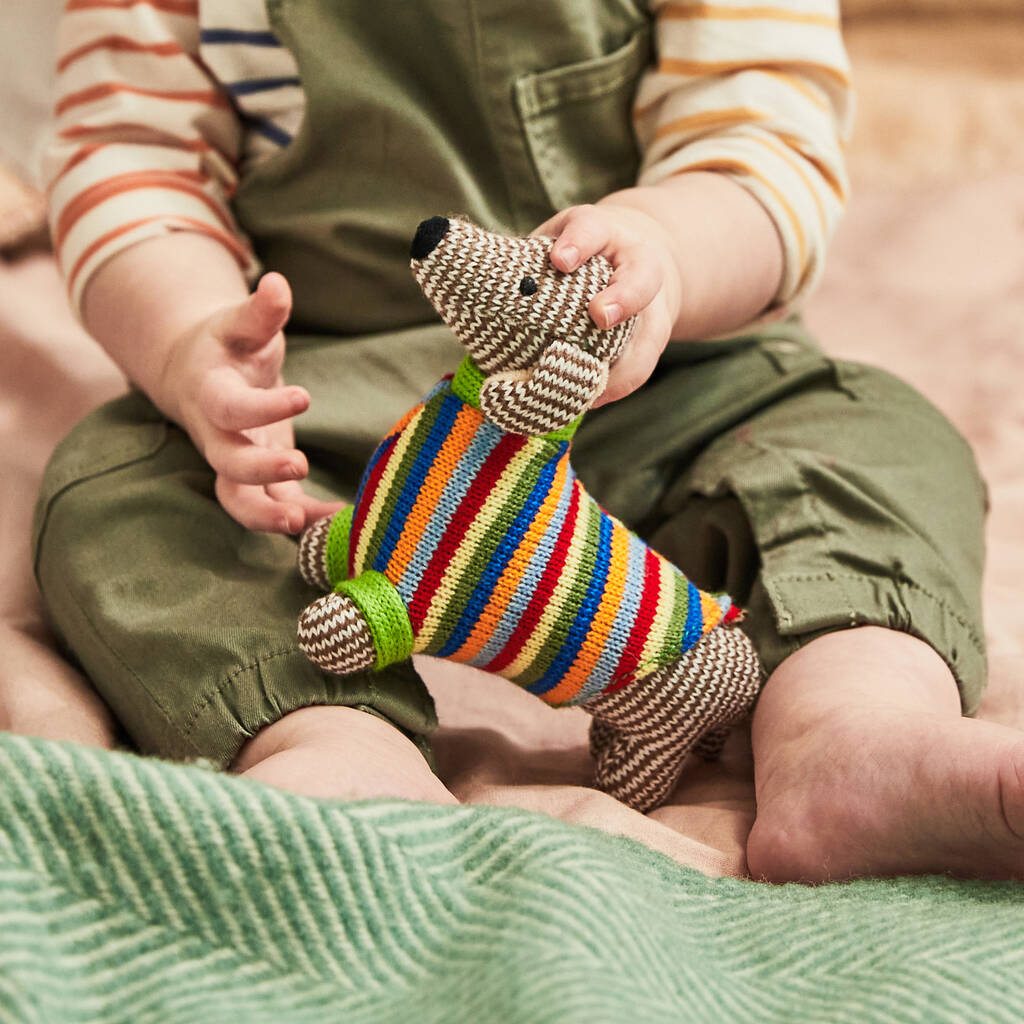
[[821, 494]]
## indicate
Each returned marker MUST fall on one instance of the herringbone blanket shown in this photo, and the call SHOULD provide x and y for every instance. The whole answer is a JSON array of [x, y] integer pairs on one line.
[[138, 891]]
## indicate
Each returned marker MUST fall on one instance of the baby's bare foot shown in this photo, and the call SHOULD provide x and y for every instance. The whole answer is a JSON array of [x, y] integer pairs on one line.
[[865, 768], [340, 753]]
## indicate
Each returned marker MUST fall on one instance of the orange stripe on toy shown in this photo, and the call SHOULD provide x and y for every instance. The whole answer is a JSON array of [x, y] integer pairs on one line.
[[534, 643], [711, 610], [505, 588], [461, 565], [383, 489], [459, 438], [600, 626]]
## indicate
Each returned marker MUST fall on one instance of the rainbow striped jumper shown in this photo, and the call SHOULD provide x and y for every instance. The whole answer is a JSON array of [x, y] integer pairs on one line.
[[504, 561]]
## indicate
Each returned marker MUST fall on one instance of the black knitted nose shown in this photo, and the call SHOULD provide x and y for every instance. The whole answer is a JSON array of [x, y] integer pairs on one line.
[[428, 234]]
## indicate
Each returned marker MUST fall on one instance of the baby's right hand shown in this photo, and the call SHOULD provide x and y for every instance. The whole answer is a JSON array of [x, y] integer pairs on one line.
[[225, 374]]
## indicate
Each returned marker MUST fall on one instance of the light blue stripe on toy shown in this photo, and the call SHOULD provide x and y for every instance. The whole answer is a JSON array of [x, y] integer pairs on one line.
[[484, 589], [402, 504], [526, 585], [485, 440], [629, 607]]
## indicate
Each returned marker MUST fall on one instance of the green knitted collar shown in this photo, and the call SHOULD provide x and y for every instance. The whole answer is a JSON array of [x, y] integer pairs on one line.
[[469, 379]]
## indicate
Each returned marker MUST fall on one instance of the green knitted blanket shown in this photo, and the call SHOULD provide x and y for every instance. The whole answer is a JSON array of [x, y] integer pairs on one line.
[[138, 891]]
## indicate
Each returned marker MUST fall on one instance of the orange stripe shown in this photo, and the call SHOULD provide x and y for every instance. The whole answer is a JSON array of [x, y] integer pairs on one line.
[[686, 11], [131, 133], [604, 618], [794, 142], [711, 611], [120, 44], [731, 164], [711, 119], [451, 451], [787, 155], [805, 88], [180, 181], [236, 249], [190, 7], [674, 66], [98, 92], [505, 588]]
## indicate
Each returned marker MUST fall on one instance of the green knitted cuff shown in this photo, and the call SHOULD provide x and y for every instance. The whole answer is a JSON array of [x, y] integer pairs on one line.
[[336, 553], [384, 610], [468, 381]]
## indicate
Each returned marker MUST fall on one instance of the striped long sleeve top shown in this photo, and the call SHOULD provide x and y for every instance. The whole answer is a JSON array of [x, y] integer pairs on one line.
[[162, 104]]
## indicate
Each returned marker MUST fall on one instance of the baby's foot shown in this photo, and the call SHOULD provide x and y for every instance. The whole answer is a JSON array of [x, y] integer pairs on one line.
[[340, 753], [850, 787]]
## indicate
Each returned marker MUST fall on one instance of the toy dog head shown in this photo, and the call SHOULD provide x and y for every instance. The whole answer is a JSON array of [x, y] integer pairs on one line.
[[524, 323]]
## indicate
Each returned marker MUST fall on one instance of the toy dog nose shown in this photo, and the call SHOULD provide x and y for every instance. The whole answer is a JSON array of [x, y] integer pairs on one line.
[[428, 234]]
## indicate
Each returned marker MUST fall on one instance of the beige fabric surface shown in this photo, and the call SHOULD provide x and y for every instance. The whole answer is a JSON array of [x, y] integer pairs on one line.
[[926, 277]]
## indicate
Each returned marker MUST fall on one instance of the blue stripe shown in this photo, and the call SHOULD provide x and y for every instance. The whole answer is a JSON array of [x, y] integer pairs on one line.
[[381, 450], [618, 635], [485, 440], [588, 609], [529, 577], [401, 505], [237, 35], [694, 618], [248, 86], [268, 130], [484, 588]]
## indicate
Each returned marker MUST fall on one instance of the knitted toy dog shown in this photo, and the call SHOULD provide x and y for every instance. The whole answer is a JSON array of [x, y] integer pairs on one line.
[[472, 539]]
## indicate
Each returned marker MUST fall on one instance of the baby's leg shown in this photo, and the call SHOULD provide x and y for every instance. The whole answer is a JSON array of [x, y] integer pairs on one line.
[[340, 752], [864, 766], [42, 695]]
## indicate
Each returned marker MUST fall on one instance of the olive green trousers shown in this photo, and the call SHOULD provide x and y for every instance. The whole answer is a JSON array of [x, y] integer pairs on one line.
[[820, 494]]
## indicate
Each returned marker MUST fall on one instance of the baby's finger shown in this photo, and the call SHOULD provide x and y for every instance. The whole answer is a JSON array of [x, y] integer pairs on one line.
[[638, 277], [257, 510], [586, 231], [313, 508], [240, 460], [639, 359], [252, 323], [231, 403]]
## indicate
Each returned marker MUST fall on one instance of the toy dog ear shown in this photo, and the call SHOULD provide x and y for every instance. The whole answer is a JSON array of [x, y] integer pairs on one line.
[[561, 386]]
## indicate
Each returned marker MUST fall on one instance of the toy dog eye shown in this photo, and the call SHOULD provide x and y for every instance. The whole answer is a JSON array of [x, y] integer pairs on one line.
[[527, 286]]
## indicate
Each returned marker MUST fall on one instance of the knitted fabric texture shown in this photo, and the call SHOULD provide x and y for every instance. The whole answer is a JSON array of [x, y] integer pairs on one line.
[[472, 539], [505, 562]]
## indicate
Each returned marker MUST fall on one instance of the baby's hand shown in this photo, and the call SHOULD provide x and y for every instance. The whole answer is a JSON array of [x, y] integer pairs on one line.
[[645, 282], [233, 401]]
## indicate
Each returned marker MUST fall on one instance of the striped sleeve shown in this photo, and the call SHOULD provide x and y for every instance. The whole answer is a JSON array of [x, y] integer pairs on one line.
[[762, 94], [144, 141]]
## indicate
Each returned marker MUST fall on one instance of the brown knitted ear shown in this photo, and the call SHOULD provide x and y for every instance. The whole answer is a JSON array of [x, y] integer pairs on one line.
[[561, 387]]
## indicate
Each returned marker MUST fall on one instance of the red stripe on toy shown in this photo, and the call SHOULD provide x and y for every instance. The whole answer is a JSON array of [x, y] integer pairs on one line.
[[641, 625], [366, 500], [542, 594], [469, 508]]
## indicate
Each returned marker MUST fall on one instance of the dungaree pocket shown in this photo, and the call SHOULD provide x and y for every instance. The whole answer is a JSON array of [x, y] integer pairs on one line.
[[578, 123]]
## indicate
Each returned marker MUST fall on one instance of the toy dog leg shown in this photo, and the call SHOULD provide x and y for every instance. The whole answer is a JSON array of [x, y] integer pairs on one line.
[[363, 624], [323, 550], [642, 733], [709, 746]]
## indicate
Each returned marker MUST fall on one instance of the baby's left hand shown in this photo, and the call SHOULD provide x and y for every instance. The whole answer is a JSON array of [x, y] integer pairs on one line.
[[645, 281]]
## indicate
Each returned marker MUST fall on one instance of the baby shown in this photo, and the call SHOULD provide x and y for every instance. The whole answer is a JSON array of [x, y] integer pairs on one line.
[[828, 498]]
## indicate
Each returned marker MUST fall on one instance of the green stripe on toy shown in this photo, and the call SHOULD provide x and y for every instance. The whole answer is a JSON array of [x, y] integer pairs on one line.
[[336, 555], [385, 614]]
